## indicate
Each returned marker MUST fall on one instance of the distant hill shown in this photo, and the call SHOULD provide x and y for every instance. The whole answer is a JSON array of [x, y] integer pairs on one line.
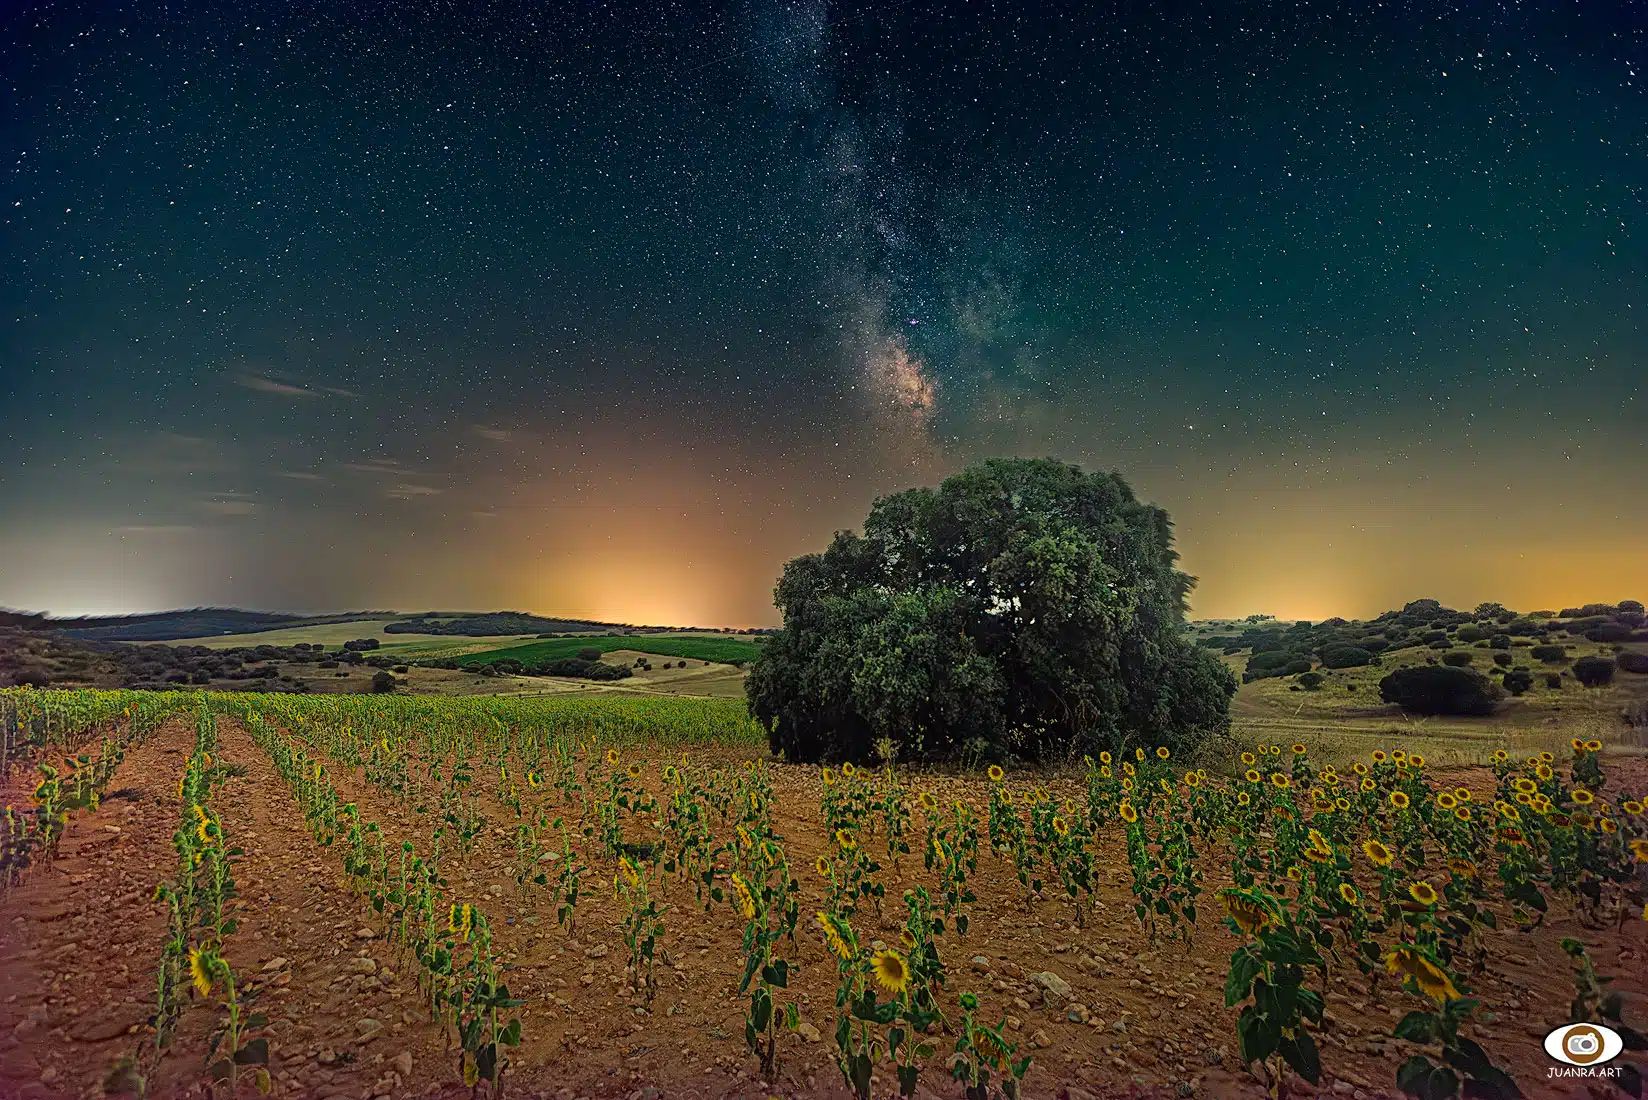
[[196, 622]]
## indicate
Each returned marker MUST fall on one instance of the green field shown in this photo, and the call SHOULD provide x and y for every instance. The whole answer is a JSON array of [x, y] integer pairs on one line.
[[721, 650]]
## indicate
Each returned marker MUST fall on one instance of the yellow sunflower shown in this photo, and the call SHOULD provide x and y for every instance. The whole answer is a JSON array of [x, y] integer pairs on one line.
[[1278, 779], [201, 969], [1129, 814], [828, 775], [847, 770], [845, 840], [1431, 979], [1298, 749], [1192, 780], [1422, 892], [1593, 745], [1500, 756], [1416, 760], [1579, 746], [891, 972], [833, 938], [1632, 807], [612, 757], [1248, 758], [1399, 799], [1446, 800], [1341, 804], [1377, 853], [1359, 768], [1161, 752], [1462, 813], [1583, 796], [634, 771], [1061, 826], [822, 866], [1253, 775], [1104, 757], [1378, 756], [1462, 793], [996, 773], [1243, 798], [1249, 911], [1639, 850], [1348, 892], [741, 892], [1368, 784], [928, 802]]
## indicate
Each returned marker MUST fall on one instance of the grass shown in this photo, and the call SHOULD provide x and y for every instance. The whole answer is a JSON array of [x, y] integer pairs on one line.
[[719, 650]]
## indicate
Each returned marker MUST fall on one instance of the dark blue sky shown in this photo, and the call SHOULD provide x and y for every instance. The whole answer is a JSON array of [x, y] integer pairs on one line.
[[610, 309]]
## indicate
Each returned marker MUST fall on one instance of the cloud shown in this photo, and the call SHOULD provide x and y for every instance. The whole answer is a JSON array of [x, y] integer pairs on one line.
[[301, 475], [340, 391], [377, 466], [229, 504], [497, 435], [155, 529], [409, 492], [263, 384]]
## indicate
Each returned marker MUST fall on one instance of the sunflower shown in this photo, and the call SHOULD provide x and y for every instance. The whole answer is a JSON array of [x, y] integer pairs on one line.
[[670, 774], [1446, 800], [634, 771], [1104, 757], [1298, 749], [1399, 799], [1500, 756], [1192, 780], [1348, 892], [1399, 756], [201, 969], [1584, 797], [1243, 798], [996, 773], [1359, 768], [1422, 892], [1253, 775], [1431, 979], [1547, 758], [1127, 784], [828, 775], [627, 866], [1104, 770], [939, 857], [1041, 795], [1127, 768], [1250, 911], [1462, 867], [534, 780], [1061, 826], [612, 758], [1593, 745], [1368, 784], [1579, 746], [833, 938], [1632, 807], [822, 866], [1341, 804], [1584, 820], [1285, 813], [845, 840], [1639, 850], [1377, 853], [1295, 875], [847, 770], [891, 972], [1508, 811], [1416, 760], [1138, 754], [1247, 758], [1129, 814], [1167, 788], [928, 802], [1318, 855], [746, 900], [1378, 756], [907, 939], [1512, 836], [1462, 813], [1280, 780], [1161, 752]]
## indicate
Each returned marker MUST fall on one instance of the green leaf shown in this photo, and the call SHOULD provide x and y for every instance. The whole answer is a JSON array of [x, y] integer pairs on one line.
[[1300, 1052], [1256, 1036], [254, 1053], [1417, 1027], [1424, 1081], [1244, 967], [777, 974]]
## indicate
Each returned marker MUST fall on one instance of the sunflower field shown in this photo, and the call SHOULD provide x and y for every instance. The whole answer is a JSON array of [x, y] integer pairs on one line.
[[373, 895]]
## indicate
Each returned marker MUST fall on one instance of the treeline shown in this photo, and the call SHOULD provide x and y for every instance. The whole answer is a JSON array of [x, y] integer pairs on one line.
[[586, 666]]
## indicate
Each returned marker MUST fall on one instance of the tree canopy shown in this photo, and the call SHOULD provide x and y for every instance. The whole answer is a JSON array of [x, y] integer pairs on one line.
[[1022, 608]]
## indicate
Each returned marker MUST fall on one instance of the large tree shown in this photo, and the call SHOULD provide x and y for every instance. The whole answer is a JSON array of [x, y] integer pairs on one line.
[[1022, 608]]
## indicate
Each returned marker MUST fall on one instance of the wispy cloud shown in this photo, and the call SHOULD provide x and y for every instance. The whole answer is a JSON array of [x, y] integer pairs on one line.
[[340, 391], [301, 475], [229, 504], [497, 435], [409, 492], [377, 466], [155, 529], [263, 384]]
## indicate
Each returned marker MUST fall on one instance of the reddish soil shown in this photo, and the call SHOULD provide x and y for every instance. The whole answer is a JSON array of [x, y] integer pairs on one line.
[[80, 940]]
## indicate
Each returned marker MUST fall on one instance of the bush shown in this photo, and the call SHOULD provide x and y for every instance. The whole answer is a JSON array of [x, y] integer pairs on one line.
[[1310, 681], [326, 664], [1345, 656], [1502, 659], [1550, 654], [589, 653], [1632, 662], [1609, 632], [1594, 671], [1518, 681], [1500, 641], [1440, 689], [383, 681], [1458, 659], [1553, 680], [402, 669], [1443, 644], [1431, 637], [1470, 632]]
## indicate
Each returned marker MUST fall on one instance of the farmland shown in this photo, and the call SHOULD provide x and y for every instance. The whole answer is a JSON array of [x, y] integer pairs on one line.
[[382, 895], [720, 650]]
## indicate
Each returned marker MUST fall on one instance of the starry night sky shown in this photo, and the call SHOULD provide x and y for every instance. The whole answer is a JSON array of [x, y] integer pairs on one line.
[[607, 310]]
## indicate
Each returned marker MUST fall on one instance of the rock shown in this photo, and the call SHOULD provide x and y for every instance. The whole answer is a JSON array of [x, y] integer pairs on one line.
[[31, 1024], [363, 966], [1075, 1092], [981, 964], [1078, 1014], [365, 933], [599, 951], [403, 1065], [1054, 988], [368, 1029], [1014, 1023], [326, 1057], [1120, 1026], [98, 1027], [277, 963], [808, 1032], [1039, 1039]]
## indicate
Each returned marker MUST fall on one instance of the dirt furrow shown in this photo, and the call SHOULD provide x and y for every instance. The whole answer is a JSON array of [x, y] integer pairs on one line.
[[80, 938]]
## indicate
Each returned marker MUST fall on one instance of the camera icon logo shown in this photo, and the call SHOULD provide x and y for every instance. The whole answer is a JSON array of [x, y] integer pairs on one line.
[[1584, 1044]]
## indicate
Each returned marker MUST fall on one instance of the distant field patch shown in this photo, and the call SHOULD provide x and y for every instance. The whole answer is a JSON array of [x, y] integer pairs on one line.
[[720, 650]]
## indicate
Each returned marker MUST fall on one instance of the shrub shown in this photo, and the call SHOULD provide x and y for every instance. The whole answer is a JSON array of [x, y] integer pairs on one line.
[[1609, 632], [1632, 662], [1440, 689], [1443, 644], [1553, 680], [383, 681], [1345, 656], [1457, 658], [1594, 671], [1310, 681], [402, 669], [1518, 681], [589, 653], [1550, 654], [328, 663], [1470, 632], [1500, 641], [1631, 607], [1431, 637]]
